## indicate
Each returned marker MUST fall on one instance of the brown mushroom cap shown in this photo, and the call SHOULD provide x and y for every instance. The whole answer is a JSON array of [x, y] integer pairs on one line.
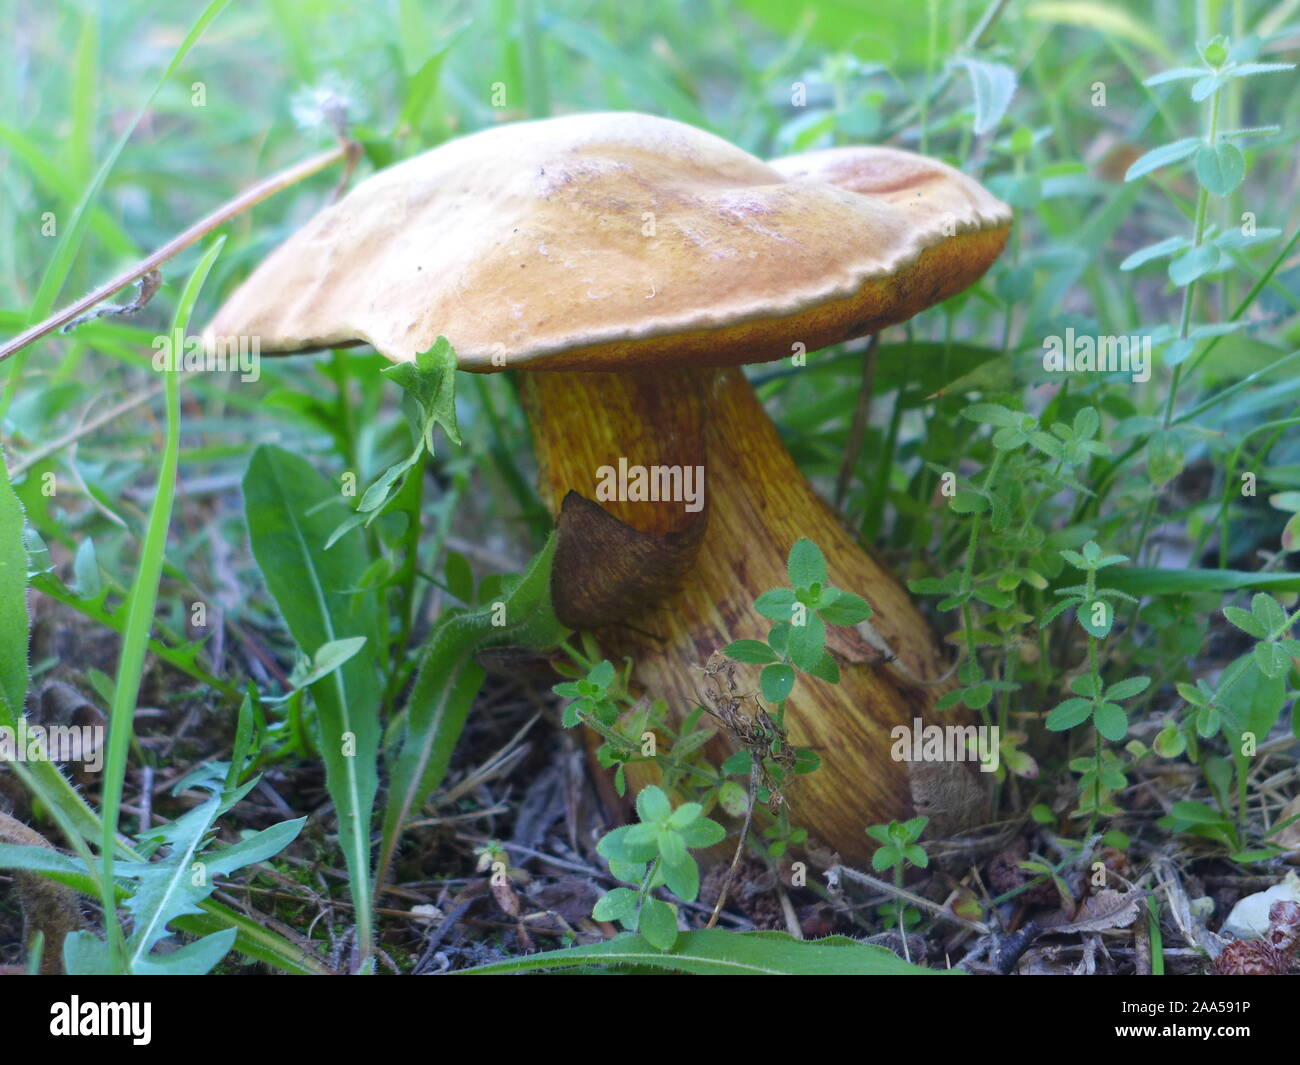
[[607, 241]]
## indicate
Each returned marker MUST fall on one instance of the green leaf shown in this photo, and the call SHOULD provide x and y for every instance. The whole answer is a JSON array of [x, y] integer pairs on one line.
[[1246, 70], [682, 876], [193, 959], [1220, 168], [807, 642], [806, 565], [161, 891], [658, 924], [1245, 621], [994, 84], [431, 379], [1068, 714], [1126, 689], [1160, 250], [846, 609], [740, 762], [85, 570], [459, 577], [449, 678], [965, 501], [615, 905], [1177, 74], [1163, 156], [652, 805], [1197, 812], [1086, 685], [1193, 265], [776, 604], [1170, 742], [431, 382], [1271, 659], [992, 414], [1150, 580], [329, 657], [1098, 624], [1269, 612], [1111, 721], [705, 832], [173, 886], [1252, 704], [714, 952], [750, 652], [776, 681], [288, 509], [826, 669], [913, 827], [733, 798], [1164, 457], [1208, 722], [618, 846]]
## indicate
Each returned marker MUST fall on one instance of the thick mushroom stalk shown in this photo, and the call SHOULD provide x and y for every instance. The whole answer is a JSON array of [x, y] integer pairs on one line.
[[758, 504], [626, 266]]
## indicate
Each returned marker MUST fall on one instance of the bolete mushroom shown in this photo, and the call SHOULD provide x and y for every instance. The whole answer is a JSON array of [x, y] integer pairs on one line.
[[628, 265]]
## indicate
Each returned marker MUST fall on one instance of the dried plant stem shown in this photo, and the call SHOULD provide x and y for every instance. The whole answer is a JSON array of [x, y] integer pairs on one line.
[[86, 428], [847, 872], [756, 769], [347, 150]]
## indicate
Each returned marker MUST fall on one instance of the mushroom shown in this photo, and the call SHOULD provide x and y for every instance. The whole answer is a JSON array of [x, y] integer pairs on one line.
[[628, 265]]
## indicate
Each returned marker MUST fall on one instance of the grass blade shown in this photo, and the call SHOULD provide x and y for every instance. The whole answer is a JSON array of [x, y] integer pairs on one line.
[[65, 251], [140, 606]]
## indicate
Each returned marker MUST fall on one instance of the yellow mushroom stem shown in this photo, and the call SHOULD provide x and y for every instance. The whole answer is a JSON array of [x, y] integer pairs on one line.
[[757, 504]]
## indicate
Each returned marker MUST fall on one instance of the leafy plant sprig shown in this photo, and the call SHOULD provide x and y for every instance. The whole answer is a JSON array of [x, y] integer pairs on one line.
[[655, 853], [798, 639], [1002, 576], [899, 848], [1093, 699]]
